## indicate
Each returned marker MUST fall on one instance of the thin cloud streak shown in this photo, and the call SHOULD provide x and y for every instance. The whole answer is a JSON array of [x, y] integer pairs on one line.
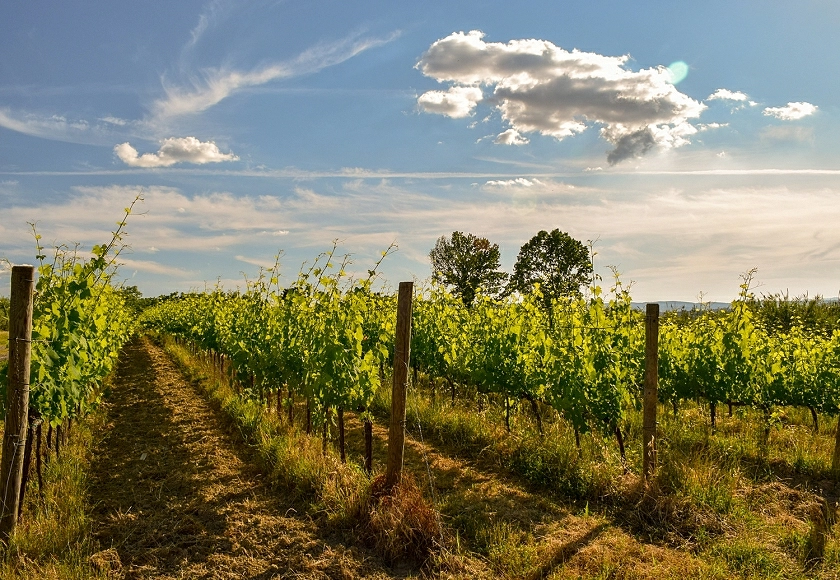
[[302, 174], [216, 85]]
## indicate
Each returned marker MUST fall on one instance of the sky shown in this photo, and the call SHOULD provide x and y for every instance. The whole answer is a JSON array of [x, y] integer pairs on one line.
[[688, 142]]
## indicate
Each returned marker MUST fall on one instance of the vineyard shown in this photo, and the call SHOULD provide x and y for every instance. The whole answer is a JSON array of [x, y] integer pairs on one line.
[[543, 395], [584, 358]]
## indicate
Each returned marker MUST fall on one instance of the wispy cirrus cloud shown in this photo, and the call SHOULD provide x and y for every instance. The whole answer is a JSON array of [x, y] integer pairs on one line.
[[540, 87], [215, 85], [174, 150], [54, 127]]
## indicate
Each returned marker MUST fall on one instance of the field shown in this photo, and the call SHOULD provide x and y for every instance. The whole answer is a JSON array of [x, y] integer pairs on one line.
[[254, 496], [521, 505]]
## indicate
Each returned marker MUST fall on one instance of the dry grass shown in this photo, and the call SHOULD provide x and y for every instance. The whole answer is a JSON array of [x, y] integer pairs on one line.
[[401, 527], [400, 523], [181, 494], [53, 539], [723, 505], [524, 506]]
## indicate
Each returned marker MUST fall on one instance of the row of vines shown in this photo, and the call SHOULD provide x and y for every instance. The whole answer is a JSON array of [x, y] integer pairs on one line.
[[327, 337], [80, 321]]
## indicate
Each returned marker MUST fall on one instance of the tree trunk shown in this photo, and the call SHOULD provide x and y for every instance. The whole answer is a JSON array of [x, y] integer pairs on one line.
[[325, 430], [368, 446], [341, 435], [835, 459], [38, 464], [620, 438], [536, 410], [713, 411], [27, 463], [816, 420]]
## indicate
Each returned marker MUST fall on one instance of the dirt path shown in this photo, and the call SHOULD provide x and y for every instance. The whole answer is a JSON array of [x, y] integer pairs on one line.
[[177, 496]]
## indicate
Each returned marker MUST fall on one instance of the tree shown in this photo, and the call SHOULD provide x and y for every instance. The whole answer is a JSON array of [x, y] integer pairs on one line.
[[557, 261], [467, 263]]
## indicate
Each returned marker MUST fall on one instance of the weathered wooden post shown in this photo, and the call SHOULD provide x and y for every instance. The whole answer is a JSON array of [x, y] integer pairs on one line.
[[402, 355], [17, 397], [651, 384]]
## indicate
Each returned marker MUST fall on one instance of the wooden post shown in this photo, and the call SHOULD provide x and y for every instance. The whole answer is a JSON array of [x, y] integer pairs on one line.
[[651, 385], [402, 355], [341, 449], [17, 397], [835, 460]]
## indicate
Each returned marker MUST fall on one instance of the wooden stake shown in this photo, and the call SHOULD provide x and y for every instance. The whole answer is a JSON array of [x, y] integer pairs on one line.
[[341, 451], [651, 386], [835, 459], [402, 356], [368, 446], [17, 397]]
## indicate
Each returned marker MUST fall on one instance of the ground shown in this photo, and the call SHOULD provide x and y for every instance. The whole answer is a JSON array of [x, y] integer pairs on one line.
[[176, 494]]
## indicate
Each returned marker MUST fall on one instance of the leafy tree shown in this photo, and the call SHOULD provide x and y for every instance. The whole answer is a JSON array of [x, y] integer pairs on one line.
[[556, 261], [467, 263]]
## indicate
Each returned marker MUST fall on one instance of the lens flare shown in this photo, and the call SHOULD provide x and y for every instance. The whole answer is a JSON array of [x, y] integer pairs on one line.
[[678, 71]]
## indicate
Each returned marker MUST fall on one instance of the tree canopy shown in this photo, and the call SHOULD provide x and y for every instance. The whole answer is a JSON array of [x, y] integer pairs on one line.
[[467, 263], [556, 261]]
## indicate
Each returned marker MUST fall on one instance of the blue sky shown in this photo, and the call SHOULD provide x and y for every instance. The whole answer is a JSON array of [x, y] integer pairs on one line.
[[690, 141]]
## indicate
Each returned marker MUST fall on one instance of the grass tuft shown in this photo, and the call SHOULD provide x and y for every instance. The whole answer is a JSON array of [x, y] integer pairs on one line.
[[399, 523]]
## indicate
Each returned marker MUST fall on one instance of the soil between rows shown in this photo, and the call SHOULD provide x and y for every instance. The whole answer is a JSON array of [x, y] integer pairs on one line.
[[177, 496]]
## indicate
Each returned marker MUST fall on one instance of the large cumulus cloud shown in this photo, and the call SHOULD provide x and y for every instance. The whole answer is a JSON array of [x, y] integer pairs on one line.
[[539, 87]]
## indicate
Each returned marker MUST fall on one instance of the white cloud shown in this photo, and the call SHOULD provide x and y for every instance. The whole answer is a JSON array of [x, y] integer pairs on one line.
[[174, 150], [540, 87], [218, 84], [508, 183], [709, 126], [457, 102], [266, 264], [792, 111], [788, 133], [674, 236], [114, 121], [727, 95], [511, 137], [48, 127], [153, 267]]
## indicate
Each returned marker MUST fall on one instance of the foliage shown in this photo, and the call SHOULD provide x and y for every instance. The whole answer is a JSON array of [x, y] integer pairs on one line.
[[80, 323], [4, 314], [781, 313], [556, 261], [317, 338], [733, 356], [467, 264]]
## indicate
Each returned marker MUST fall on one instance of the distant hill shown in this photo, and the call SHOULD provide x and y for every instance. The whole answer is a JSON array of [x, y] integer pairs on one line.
[[668, 305]]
